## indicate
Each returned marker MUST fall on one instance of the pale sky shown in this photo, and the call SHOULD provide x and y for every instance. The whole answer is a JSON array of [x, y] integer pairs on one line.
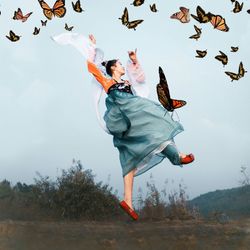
[[47, 115]]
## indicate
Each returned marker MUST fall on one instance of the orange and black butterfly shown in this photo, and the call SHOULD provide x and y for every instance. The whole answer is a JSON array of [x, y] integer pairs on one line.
[[77, 6], [58, 9], [219, 23], [164, 95], [138, 2], [183, 15], [222, 58], [153, 8], [36, 31], [13, 37], [18, 15], [126, 22], [202, 16]]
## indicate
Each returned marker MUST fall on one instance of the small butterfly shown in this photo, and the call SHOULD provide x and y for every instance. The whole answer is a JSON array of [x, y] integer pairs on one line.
[[201, 53], [237, 7], [202, 16], [44, 22], [248, 11], [126, 22], [222, 58], [164, 94], [219, 23], [77, 6], [67, 27], [36, 31], [183, 15], [18, 15], [234, 76], [138, 2], [58, 9], [13, 37], [153, 8], [234, 49], [197, 35]]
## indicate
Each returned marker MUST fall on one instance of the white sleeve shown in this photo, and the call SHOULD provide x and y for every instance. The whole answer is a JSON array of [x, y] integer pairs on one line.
[[137, 78], [91, 53]]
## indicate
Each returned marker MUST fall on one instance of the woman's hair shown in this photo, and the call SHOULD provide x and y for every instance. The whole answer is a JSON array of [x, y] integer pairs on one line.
[[108, 65]]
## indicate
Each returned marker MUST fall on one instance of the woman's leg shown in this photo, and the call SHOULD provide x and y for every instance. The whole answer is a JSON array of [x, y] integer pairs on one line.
[[128, 187], [172, 153]]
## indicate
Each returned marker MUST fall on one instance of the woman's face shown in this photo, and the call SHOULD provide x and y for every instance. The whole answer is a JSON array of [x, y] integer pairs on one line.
[[119, 68]]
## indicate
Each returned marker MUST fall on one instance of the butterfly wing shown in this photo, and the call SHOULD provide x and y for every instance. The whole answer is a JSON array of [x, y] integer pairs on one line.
[[133, 24], [241, 71], [178, 103], [47, 11], [232, 75], [219, 23], [77, 6], [58, 9], [124, 17]]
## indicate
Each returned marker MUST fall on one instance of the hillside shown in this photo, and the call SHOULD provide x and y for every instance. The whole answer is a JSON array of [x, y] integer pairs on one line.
[[234, 202]]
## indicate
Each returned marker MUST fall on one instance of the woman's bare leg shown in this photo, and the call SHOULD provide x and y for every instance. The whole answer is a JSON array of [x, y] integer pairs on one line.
[[128, 187]]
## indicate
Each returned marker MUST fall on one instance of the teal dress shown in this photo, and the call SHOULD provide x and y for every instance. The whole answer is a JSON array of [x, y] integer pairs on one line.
[[142, 130]]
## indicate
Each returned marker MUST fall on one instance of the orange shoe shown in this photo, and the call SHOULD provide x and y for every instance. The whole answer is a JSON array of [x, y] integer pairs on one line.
[[129, 210], [187, 159]]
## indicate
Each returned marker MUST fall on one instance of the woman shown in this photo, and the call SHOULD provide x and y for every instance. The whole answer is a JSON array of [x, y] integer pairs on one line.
[[142, 129]]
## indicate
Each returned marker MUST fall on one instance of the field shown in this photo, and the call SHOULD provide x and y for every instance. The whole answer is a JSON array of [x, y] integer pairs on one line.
[[157, 235]]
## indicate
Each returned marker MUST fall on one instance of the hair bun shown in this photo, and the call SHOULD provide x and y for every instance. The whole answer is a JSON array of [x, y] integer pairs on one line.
[[104, 63]]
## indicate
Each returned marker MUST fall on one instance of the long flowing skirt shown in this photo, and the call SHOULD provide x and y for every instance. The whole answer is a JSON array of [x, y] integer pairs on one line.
[[141, 129]]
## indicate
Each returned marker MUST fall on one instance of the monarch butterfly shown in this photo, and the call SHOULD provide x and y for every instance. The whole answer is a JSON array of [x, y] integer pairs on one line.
[[18, 15], [237, 7], [138, 2], [234, 49], [202, 16], [77, 6], [126, 22], [201, 53], [164, 94], [44, 22], [183, 15], [153, 8], [13, 37], [222, 58], [58, 9], [219, 23], [67, 27], [36, 31]]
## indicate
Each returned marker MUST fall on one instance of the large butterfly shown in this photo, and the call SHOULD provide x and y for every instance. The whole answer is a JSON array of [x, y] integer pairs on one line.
[[138, 2], [202, 16], [222, 58], [183, 15], [77, 6], [58, 9], [18, 15], [164, 94], [126, 22], [13, 37], [219, 23]]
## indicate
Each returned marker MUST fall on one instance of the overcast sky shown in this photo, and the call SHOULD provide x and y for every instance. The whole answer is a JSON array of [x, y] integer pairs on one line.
[[47, 115]]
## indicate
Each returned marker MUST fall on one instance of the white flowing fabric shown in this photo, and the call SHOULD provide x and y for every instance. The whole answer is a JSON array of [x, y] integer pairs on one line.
[[96, 55]]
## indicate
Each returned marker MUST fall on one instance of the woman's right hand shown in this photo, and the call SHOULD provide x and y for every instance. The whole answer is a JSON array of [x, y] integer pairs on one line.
[[92, 38]]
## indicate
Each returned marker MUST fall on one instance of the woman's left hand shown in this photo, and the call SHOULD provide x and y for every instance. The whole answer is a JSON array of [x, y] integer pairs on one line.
[[132, 56]]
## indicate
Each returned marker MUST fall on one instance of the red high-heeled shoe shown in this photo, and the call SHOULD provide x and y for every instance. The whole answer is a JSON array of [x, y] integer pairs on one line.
[[129, 210], [187, 159]]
